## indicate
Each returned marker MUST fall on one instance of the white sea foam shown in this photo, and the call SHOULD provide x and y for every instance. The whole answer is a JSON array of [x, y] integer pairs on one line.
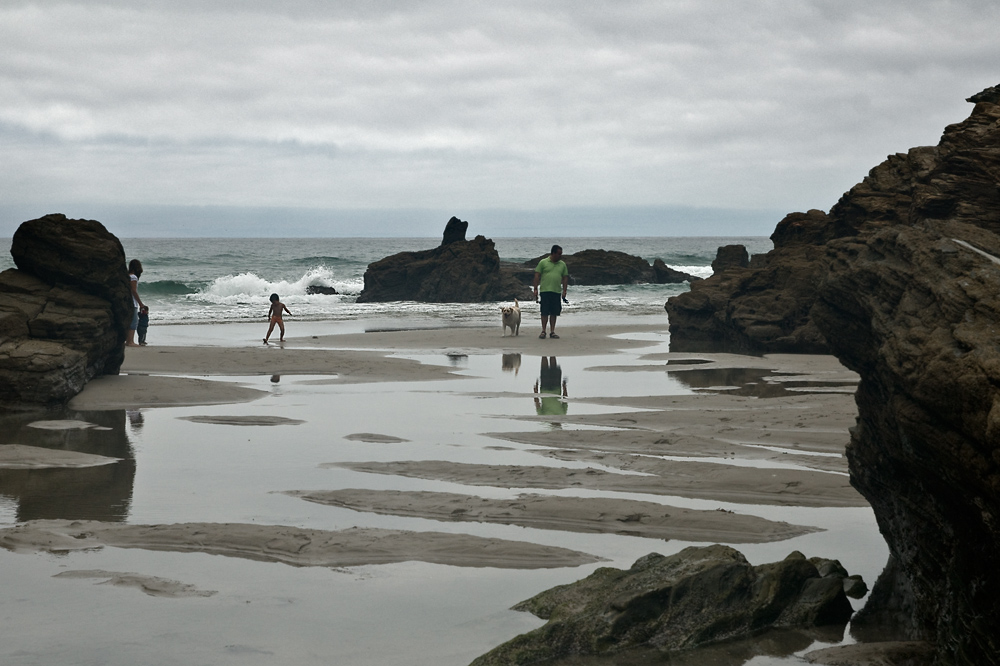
[[697, 271], [251, 288]]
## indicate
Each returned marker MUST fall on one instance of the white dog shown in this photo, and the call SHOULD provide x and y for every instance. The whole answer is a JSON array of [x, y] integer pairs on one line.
[[511, 317]]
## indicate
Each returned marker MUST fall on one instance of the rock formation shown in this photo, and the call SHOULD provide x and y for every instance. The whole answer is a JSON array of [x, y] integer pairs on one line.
[[902, 282], [63, 311], [594, 267], [730, 256], [764, 307], [457, 271], [696, 597], [915, 310]]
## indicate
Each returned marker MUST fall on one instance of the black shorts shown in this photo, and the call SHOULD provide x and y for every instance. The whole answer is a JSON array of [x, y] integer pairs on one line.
[[551, 305]]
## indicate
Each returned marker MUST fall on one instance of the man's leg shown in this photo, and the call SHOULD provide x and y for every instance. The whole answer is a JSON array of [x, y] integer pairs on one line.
[[552, 325], [545, 322]]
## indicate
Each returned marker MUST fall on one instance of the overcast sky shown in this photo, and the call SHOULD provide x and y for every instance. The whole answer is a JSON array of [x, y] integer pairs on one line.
[[458, 107]]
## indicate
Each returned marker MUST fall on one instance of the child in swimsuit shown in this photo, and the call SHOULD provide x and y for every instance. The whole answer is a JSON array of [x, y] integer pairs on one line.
[[277, 307]]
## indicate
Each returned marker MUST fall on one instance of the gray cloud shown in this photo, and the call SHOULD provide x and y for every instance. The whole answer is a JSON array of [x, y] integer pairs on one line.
[[777, 104]]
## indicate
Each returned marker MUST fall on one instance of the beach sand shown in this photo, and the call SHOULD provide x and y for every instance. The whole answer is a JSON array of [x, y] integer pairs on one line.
[[447, 447]]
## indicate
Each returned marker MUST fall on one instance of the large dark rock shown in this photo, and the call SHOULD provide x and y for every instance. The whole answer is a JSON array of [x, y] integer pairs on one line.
[[457, 271], [63, 311], [913, 306], [916, 312], [763, 308], [599, 267], [766, 308], [902, 282], [696, 597], [454, 231]]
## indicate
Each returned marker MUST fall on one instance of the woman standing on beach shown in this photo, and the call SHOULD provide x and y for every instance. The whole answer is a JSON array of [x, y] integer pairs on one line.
[[134, 271]]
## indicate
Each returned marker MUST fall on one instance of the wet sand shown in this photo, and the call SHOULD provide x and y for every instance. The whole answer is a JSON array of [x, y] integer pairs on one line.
[[445, 447], [290, 545]]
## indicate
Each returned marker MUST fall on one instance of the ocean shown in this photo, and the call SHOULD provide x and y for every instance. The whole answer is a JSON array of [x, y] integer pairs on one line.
[[205, 280]]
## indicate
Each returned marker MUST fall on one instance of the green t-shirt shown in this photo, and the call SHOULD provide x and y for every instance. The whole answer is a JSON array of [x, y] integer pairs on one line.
[[552, 274]]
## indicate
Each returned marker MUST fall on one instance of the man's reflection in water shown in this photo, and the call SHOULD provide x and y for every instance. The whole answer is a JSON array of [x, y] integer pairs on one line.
[[550, 389]]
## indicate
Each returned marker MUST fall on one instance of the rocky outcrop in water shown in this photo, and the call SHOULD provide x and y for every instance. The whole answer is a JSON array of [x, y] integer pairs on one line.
[[63, 310], [696, 597], [457, 271], [597, 267]]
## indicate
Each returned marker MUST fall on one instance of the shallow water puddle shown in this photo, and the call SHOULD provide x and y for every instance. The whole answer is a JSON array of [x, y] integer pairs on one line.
[[237, 462]]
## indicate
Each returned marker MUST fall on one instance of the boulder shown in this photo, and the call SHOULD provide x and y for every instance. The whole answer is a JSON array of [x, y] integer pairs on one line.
[[697, 597], [318, 289], [457, 271], [63, 311]]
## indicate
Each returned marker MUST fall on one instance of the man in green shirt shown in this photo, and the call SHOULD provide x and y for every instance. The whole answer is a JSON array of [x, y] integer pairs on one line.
[[552, 276]]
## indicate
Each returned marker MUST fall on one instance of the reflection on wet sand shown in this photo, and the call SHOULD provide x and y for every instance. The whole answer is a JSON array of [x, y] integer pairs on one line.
[[550, 389], [777, 643], [101, 492], [751, 382], [510, 363]]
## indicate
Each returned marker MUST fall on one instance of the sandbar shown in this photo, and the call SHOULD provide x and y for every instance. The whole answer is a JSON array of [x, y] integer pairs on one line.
[[725, 483], [602, 515], [20, 456], [154, 586], [291, 545]]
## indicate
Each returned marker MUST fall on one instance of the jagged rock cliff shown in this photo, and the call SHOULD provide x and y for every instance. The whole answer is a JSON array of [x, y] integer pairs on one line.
[[63, 310], [766, 307], [913, 306], [902, 282]]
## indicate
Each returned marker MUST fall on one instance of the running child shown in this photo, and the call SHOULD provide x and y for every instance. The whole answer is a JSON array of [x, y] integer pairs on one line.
[[277, 307]]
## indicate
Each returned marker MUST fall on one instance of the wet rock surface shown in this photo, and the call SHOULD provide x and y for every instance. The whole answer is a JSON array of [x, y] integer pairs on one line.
[[63, 310], [694, 598]]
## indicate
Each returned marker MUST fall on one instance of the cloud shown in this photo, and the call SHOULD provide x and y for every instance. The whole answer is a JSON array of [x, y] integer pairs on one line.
[[778, 104]]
